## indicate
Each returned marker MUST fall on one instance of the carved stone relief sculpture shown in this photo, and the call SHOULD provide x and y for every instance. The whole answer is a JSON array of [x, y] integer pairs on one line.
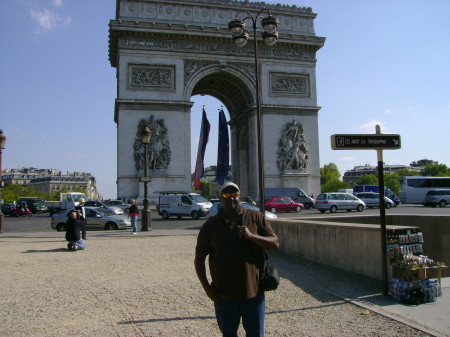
[[154, 77], [192, 67], [290, 84], [292, 150], [159, 153]]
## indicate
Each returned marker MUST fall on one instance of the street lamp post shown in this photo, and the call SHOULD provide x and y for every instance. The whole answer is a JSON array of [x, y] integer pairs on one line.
[[240, 38], [146, 135], [2, 146]]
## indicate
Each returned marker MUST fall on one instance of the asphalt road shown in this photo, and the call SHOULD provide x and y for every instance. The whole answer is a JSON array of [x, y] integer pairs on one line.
[[41, 222]]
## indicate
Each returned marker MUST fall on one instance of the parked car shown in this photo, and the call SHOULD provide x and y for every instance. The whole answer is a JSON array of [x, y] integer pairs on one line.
[[217, 206], [120, 204], [437, 197], [282, 204], [337, 201], [112, 209], [8, 209], [97, 218], [36, 206], [372, 199]]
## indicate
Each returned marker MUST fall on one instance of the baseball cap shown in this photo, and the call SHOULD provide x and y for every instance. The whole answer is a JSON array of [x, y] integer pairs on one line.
[[228, 184]]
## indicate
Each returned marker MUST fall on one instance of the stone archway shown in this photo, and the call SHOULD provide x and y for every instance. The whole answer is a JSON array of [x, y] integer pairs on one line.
[[166, 52]]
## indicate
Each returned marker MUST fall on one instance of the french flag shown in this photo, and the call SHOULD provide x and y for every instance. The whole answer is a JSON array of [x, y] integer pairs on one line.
[[204, 137]]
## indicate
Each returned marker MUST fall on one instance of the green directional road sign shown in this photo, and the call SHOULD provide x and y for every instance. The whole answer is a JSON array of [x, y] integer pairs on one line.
[[365, 142]]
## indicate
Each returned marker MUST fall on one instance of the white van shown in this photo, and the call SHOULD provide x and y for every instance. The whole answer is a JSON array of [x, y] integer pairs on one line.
[[182, 204], [295, 194]]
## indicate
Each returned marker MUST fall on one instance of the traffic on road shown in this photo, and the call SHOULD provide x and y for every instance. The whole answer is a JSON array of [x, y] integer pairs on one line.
[[40, 222]]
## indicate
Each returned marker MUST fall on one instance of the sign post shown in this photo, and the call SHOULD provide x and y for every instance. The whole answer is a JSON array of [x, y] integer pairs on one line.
[[378, 142]]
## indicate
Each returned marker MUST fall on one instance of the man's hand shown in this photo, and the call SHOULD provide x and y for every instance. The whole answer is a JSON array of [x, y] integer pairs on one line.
[[244, 231], [212, 293]]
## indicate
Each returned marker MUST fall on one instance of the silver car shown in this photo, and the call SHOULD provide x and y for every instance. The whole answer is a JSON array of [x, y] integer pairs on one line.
[[437, 197], [119, 204], [97, 218], [372, 199], [112, 209], [217, 206], [337, 201]]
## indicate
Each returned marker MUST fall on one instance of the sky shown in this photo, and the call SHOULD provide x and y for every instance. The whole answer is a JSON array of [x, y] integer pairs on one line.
[[384, 62]]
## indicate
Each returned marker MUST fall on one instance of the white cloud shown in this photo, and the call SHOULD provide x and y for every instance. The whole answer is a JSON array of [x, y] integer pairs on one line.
[[48, 20], [370, 127], [57, 3], [20, 134], [388, 111]]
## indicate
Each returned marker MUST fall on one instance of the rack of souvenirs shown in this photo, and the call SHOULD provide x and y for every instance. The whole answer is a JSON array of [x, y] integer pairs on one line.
[[404, 250], [400, 244], [415, 268]]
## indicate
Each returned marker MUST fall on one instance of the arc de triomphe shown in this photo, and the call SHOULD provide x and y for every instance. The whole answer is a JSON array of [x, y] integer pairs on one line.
[[167, 51]]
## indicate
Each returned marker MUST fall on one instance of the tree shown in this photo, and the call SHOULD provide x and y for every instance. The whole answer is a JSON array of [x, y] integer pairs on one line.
[[368, 179], [56, 194], [392, 181], [405, 172], [206, 189], [12, 192], [334, 186], [436, 170], [422, 162], [329, 172], [330, 178]]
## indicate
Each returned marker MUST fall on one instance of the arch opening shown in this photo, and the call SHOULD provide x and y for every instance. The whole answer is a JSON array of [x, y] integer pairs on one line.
[[214, 91]]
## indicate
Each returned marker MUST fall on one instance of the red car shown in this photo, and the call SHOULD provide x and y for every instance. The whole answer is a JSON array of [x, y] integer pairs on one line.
[[282, 204]]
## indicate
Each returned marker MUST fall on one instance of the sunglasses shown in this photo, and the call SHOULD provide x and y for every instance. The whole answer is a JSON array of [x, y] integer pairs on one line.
[[229, 195]]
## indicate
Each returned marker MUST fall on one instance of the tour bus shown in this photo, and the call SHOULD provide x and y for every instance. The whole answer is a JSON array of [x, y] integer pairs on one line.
[[414, 188]]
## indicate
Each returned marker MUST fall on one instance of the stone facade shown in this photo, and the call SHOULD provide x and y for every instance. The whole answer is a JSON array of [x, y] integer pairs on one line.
[[166, 52]]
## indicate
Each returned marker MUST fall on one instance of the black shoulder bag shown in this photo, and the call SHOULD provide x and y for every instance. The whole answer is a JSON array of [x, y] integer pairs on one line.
[[270, 279]]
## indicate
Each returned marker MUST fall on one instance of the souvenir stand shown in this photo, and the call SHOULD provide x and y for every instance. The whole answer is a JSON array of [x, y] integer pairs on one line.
[[406, 255]]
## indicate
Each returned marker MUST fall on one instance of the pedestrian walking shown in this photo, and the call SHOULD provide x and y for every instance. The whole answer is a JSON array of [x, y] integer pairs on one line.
[[236, 258]]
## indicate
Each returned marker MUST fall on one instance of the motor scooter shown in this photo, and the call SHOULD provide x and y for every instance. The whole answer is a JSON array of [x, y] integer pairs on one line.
[[21, 210]]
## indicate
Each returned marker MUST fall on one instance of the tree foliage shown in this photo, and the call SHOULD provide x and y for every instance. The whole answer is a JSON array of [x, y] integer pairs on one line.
[[11, 192], [330, 178], [368, 179], [436, 170], [329, 172], [422, 162], [206, 189]]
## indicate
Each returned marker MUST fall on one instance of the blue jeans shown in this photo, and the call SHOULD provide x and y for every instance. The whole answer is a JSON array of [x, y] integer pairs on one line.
[[133, 223], [80, 244], [252, 311]]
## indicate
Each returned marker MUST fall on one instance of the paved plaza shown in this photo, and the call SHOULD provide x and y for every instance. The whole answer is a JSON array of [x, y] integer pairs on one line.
[[145, 285]]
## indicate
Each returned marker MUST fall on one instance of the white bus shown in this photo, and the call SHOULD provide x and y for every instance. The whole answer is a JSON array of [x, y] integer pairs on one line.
[[414, 188]]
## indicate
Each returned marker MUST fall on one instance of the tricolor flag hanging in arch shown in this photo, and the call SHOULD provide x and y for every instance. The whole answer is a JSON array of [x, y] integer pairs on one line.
[[204, 137], [223, 150]]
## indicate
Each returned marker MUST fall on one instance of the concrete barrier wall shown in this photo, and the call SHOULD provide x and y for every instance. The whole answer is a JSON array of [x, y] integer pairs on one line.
[[354, 243]]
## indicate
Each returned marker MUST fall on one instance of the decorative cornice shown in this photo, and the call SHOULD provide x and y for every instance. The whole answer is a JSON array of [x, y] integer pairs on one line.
[[185, 7], [147, 105], [197, 47]]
